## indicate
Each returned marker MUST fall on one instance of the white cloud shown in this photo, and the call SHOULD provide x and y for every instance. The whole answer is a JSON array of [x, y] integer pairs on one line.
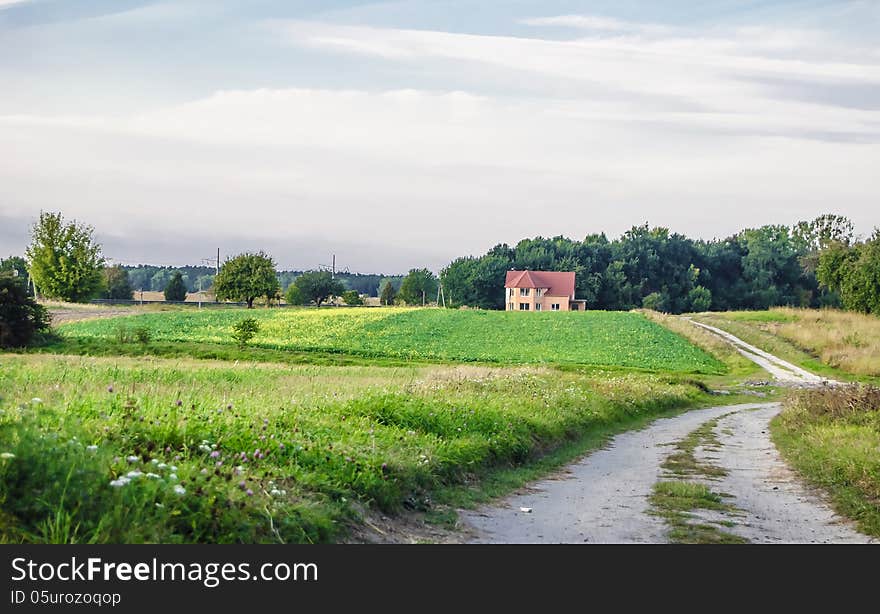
[[592, 22]]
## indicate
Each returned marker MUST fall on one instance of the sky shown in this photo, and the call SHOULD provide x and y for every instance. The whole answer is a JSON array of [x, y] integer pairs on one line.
[[405, 134]]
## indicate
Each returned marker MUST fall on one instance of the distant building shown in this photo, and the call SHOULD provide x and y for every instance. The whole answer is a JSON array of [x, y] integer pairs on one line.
[[541, 291]]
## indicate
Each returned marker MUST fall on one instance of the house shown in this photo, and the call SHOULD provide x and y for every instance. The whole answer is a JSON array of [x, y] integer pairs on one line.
[[541, 291]]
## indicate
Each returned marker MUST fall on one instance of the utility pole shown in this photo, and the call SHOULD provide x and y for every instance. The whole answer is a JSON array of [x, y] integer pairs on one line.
[[218, 261], [334, 266]]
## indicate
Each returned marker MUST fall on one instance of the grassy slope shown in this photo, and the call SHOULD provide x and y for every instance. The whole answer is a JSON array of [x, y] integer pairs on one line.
[[594, 338], [382, 437], [832, 438]]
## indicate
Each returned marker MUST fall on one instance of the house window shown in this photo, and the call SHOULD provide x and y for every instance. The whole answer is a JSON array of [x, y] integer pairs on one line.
[[539, 292], [523, 306], [510, 306], [554, 307], [510, 293], [537, 306], [574, 306], [523, 291]]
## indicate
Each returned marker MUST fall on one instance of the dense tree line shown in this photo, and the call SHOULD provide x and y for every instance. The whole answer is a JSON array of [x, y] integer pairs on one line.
[[652, 267]]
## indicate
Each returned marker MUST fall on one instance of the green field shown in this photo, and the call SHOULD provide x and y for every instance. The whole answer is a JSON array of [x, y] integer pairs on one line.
[[156, 450], [600, 338]]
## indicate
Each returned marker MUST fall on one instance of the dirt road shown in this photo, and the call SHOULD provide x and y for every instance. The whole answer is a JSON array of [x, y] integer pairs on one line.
[[604, 497]]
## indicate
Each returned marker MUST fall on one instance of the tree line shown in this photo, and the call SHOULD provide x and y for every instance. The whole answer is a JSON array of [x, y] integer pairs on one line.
[[814, 263], [650, 267]]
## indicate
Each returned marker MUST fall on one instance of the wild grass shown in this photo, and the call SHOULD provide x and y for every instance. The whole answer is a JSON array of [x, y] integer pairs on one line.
[[827, 340], [683, 460], [676, 501], [592, 338], [832, 438], [97, 450]]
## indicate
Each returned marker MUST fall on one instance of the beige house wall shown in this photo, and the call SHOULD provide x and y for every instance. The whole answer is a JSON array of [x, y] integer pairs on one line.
[[512, 302]]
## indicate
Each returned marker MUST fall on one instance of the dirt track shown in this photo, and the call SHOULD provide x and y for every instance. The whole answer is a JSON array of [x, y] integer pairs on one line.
[[604, 497]]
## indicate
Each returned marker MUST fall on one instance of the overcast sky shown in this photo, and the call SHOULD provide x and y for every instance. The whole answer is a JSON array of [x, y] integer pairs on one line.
[[404, 134]]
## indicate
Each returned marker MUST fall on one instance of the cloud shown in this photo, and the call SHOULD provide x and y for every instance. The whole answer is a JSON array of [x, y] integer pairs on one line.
[[621, 124], [601, 24]]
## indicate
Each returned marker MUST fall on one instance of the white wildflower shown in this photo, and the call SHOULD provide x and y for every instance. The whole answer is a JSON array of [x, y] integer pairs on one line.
[[36, 400], [155, 461], [205, 448], [161, 466], [180, 490], [7, 455], [132, 459], [118, 483], [133, 474], [92, 448], [154, 476], [172, 476], [173, 468]]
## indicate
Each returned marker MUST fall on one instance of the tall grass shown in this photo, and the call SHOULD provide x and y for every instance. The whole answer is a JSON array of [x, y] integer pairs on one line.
[[123, 450], [832, 437]]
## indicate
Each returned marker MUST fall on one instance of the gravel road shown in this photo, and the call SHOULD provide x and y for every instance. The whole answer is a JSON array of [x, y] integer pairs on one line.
[[603, 498]]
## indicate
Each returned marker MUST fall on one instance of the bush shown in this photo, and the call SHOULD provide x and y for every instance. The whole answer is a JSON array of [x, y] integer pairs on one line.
[[20, 316], [244, 330], [351, 297], [294, 296], [143, 335]]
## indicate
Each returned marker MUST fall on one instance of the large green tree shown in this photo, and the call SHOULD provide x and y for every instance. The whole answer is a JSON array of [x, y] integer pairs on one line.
[[116, 283], [318, 286], [247, 277], [64, 259], [418, 287], [854, 272]]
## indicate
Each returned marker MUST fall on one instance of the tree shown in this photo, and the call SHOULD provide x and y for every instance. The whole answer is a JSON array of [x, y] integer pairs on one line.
[[352, 298], [294, 296], [387, 294], [854, 272], [318, 286], [14, 263], [116, 283], [419, 286], [176, 289], [65, 262], [20, 315], [246, 277], [700, 299]]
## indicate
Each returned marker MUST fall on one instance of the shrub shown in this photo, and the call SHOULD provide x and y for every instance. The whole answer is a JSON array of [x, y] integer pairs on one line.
[[351, 297], [20, 316], [143, 334], [294, 296], [244, 330]]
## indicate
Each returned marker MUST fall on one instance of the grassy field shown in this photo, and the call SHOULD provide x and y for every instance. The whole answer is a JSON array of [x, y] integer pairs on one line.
[[157, 450], [835, 343], [594, 338], [832, 438]]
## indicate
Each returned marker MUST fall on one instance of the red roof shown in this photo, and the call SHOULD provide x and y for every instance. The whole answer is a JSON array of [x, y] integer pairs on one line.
[[557, 283]]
